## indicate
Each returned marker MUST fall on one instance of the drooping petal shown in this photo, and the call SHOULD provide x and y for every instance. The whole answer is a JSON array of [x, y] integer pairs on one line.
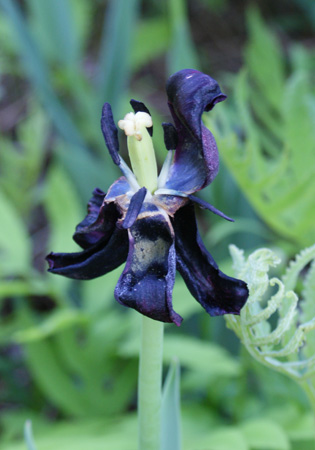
[[216, 292], [93, 262], [99, 222], [196, 161], [147, 281]]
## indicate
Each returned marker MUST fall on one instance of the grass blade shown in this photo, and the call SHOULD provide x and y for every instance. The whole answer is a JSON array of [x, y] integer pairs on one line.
[[171, 422]]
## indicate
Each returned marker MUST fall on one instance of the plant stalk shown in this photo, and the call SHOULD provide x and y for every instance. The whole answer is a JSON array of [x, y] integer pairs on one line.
[[150, 384]]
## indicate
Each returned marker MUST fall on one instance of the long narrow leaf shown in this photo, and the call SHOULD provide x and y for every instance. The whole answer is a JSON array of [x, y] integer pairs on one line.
[[114, 58], [55, 30], [182, 54], [39, 75], [171, 421]]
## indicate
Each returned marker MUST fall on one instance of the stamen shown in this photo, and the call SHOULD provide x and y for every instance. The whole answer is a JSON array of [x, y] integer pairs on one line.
[[132, 124]]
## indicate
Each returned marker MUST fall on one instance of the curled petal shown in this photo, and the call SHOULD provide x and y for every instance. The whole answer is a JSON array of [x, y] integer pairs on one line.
[[99, 222], [215, 291], [147, 281], [93, 262], [196, 161]]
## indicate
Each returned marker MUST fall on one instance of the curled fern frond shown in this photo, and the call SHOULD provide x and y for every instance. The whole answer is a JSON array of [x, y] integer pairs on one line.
[[288, 347]]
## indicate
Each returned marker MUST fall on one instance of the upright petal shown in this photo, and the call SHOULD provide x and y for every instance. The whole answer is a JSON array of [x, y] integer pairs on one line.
[[196, 161], [215, 291], [147, 281]]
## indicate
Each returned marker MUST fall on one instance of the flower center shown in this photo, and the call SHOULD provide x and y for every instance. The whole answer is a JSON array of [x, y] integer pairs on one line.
[[140, 148]]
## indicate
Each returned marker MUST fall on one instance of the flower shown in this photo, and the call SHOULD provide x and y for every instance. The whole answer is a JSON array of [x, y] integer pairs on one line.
[[153, 227]]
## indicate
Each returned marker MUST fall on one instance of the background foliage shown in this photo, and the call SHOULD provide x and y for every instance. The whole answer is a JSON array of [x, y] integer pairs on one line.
[[68, 357]]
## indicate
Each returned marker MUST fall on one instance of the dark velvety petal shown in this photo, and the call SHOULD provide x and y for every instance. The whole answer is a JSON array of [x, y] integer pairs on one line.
[[170, 136], [196, 161], [136, 203], [140, 107], [147, 281], [215, 291], [205, 205], [99, 223], [97, 260], [110, 133]]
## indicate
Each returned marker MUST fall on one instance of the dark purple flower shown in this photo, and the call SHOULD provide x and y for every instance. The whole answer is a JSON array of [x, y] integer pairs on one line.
[[156, 232]]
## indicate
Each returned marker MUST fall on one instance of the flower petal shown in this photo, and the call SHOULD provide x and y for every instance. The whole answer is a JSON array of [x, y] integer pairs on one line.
[[135, 205], [215, 291], [93, 262], [99, 222], [147, 281], [110, 133], [205, 205], [196, 161], [170, 136]]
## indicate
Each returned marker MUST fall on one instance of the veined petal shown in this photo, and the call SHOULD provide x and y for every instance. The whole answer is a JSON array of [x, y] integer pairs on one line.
[[93, 262], [215, 291], [147, 281], [196, 161]]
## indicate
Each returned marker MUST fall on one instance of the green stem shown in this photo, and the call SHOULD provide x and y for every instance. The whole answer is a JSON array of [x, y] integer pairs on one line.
[[150, 384]]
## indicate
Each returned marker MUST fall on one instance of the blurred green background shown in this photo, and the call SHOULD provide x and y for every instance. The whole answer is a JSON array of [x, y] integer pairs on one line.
[[68, 358]]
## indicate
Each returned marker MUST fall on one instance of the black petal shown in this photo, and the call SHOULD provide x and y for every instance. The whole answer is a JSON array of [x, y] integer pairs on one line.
[[196, 161], [147, 281], [170, 136], [136, 203], [215, 291], [99, 222], [97, 260], [110, 133]]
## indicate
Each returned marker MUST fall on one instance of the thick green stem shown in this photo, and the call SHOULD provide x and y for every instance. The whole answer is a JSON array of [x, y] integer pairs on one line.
[[150, 384]]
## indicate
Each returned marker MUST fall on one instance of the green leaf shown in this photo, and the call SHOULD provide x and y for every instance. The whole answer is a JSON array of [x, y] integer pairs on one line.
[[182, 54], [114, 59], [39, 75], [200, 356], [63, 208], [56, 322], [15, 251], [263, 53], [265, 435], [45, 19], [222, 439], [171, 421], [151, 40]]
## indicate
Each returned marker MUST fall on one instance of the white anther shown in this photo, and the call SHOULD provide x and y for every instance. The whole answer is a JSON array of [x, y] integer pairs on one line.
[[132, 124]]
